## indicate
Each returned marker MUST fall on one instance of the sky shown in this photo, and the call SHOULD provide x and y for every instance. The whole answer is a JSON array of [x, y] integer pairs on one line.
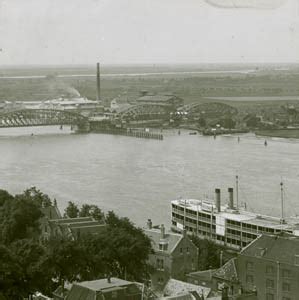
[[148, 31]]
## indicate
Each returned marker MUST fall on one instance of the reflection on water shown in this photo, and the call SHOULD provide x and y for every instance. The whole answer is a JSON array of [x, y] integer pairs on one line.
[[138, 178]]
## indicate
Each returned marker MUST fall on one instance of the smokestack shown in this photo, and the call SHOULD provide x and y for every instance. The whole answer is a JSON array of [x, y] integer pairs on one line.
[[218, 203], [162, 231], [230, 198], [149, 224], [98, 82]]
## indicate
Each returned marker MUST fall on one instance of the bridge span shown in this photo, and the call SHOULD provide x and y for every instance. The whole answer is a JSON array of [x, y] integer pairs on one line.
[[42, 117]]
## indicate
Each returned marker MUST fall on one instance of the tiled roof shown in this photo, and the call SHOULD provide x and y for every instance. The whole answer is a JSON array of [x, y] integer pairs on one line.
[[102, 284], [185, 296], [71, 220], [175, 287], [203, 275], [172, 239], [228, 271], [282, 248]]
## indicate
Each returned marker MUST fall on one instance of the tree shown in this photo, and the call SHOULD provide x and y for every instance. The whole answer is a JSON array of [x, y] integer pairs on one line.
[[37, 196], [208, 253], [72, 210], [65, 259], [130, 248], [19, 219], [94, 211]]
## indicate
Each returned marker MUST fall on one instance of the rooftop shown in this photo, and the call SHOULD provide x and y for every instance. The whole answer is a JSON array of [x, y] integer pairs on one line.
[[170, 238], [156, 98], [283, 248], [175, 288], [228, 271], [102, 284]]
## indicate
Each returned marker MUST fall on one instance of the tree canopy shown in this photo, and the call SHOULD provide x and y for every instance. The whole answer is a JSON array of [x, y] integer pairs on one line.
[[28, 265]]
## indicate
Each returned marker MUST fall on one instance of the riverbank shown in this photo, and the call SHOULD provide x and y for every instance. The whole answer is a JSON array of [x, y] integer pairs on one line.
[[281, 133]]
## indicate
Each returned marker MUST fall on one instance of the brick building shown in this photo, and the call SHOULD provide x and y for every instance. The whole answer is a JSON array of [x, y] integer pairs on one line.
[[174, 255], [269, 266]]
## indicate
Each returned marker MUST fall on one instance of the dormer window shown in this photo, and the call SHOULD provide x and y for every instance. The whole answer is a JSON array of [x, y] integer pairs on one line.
[[163, 246]]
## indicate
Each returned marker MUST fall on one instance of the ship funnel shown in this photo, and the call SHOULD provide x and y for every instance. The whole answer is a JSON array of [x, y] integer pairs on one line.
[[230, 198], [217, 198]]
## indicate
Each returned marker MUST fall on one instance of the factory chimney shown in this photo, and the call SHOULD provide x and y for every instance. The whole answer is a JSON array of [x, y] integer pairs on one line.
[[230, 198], [218, 203], [98, 82]]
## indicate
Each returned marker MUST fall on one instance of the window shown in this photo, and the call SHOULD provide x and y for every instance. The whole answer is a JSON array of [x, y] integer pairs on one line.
[[286, 273], [286, 287], [249, 266], [269, 270], [269, 283], [114, 295], [160, 264], [297, 260], [188, 250], [160, 280], [249, 279], [269, 296], [181, 250]]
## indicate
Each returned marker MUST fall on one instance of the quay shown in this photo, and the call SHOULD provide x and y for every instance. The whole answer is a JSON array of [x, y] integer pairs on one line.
[[126, 132]]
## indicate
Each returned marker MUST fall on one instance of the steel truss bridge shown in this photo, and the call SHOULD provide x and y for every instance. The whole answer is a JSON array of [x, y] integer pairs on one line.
[[208, 109], [41, 117], [144, 112]]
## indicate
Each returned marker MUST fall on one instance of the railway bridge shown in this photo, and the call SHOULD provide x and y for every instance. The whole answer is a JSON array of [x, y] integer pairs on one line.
[[42, 117]]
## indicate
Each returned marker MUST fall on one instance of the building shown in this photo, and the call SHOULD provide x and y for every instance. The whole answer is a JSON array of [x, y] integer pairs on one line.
[[203, 278], [74, 227], [165, 99], [174, 255], [110, 288], [226, 225], [268, 268], [270, 264], [178, 288]]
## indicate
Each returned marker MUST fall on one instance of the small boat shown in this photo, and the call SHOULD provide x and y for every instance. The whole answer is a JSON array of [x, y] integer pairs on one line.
[[193, 133]]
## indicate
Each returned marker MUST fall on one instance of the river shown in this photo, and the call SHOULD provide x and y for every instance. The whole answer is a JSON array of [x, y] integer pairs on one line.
[[138, 178]]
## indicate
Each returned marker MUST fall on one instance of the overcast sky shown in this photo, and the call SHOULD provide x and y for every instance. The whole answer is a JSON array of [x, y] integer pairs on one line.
[[147, 31]]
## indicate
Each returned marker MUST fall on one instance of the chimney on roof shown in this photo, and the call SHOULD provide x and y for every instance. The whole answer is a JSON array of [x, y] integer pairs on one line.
[[149, 224], [217, 198], [162, 231], [231, 198]]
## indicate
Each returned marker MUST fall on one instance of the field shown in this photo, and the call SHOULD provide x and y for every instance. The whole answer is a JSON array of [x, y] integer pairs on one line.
[[192, 83]]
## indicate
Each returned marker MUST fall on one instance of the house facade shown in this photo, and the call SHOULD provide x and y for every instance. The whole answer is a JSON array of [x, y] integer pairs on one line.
[[174, 255]]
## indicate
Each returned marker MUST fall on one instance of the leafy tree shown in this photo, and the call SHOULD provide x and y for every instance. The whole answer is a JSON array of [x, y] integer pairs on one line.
[[65, 259], [94, 211], [130, 248], [19, 219], [37, 196], [208, 253], [9, 274], [72, 210]]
